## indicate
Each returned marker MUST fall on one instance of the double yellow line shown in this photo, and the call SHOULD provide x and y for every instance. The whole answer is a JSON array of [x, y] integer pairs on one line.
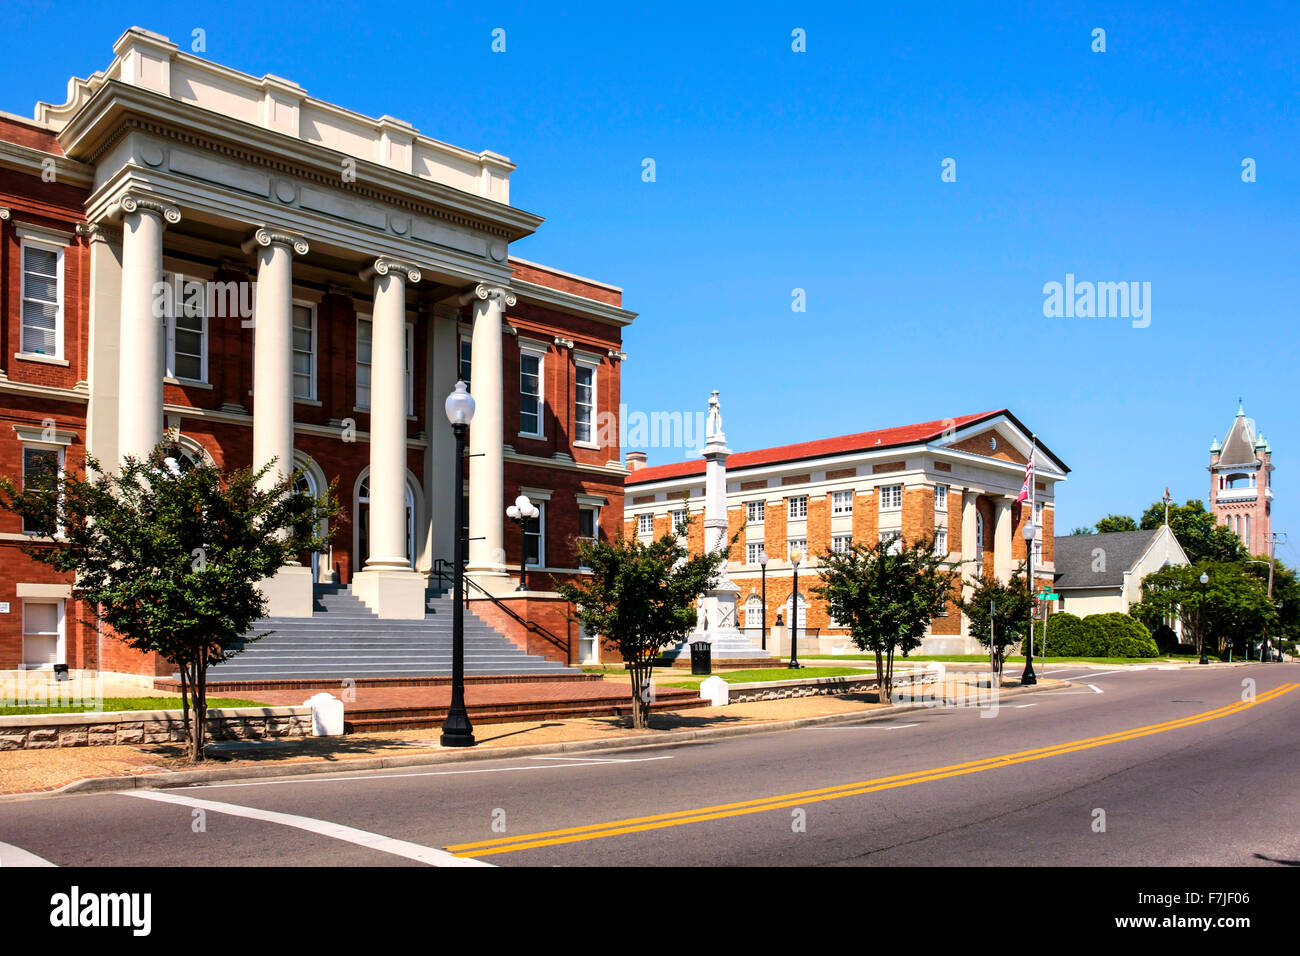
[[659, 821]]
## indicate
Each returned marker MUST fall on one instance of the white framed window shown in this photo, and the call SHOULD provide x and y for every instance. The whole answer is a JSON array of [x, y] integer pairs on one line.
[[841, 543], [187, 331], [41, 469], [940, 497], [42, 299], [752, 550], [677, 518], [531, 404], [797, 544], [802, 622], [645, 524], [304, 351], [842, 502], [43, 630], [754, 611], [466, 350], [1038, 513], [584, 403], [754, 511], [979, 537], [797, 507], [941, 541], [894, 539], [535, 537], [1038, 552], [891, 497], [365, 348], [588, 525]]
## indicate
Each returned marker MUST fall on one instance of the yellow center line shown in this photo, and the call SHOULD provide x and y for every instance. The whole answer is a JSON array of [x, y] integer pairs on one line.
[[764, 804]]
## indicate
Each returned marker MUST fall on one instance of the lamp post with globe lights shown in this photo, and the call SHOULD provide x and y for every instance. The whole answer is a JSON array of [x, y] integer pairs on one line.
[[457, 731], [762, 565], [1205, 581], [1028, 676], [795, 557], [521, 512]]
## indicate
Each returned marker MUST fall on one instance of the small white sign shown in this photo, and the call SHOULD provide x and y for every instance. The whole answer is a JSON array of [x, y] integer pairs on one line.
[[4, 607]]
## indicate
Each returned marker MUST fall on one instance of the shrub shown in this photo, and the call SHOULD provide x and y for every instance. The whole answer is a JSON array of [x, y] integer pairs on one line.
[[1166, 638], [1119, 635], [1066, 636]]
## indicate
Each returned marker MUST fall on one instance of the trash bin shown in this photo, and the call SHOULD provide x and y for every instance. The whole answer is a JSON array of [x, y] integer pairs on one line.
[[702, 658]]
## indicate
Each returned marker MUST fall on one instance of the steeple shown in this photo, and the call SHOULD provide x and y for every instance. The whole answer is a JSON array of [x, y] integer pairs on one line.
[[1241, 487]]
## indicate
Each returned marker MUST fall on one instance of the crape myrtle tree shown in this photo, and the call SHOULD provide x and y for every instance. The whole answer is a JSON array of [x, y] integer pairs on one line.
[[642, 596], [886, 594], [1232, 609], [171, 557], [998, 614]]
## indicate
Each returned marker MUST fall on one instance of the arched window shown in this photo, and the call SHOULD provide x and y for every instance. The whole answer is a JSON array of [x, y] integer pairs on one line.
[[979, 536], [361, 524], [754, 611], [803, 612]]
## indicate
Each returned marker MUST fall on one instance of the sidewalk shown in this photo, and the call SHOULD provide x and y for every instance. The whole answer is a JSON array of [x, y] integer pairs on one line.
[[29, 771]]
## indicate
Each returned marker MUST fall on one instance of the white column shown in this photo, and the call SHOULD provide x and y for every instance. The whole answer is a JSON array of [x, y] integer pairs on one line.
[[487, 556], [388, 584], [443, 370], [103, 371], [273, 351], [140, 385], [288, 592], [1002, 561]]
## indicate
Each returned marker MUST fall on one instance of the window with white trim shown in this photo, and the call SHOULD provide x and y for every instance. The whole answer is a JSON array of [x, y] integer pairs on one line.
[[645, 524], [187, 331], [979, 537], [841, 502], [797, 544], [678, 518], [941, 541], [535, 537], [894, 540], [754, 511], [588, 525], [42, 634], [891, 497], [304, 351], [940, 497], [41, 469], [1038, 552], [841, 543], [752, 550], [466, 350], [530, 393], [584, 402], [797, 507], [42, 299], [1038, 513], [754, 611]]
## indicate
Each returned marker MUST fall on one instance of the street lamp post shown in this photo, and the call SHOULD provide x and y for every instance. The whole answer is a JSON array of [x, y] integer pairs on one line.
[[521, 512], [795, 556], [457, 731], [1205, 580], [1028, 676], [762, 564]]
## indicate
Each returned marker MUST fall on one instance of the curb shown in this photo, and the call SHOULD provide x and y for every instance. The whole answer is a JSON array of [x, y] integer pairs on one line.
[[158, 781]]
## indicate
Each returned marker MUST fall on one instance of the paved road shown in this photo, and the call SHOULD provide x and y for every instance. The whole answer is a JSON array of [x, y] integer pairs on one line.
[[1183, 770]]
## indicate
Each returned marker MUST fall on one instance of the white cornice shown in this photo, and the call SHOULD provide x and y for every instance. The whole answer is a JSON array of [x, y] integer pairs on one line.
[[573, 304], [77, 394], [614, 473], [25, 159]]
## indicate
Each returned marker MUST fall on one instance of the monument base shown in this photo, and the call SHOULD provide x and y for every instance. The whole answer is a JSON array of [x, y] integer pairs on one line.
[[727, 643]]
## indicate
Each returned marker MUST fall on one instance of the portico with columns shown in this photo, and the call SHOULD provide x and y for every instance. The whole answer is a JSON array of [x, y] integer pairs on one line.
[[380, 273]]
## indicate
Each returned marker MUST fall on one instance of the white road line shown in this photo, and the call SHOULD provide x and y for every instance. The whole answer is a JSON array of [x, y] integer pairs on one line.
[[363, 776], [1023, 706], [374, 841], [867, 727], [588, 760], [11, 855]]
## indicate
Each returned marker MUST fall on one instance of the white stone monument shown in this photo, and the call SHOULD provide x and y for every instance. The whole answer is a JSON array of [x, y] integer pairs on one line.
[[717, 622]]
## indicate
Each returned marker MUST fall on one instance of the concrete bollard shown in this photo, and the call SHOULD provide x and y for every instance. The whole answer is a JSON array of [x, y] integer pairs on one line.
[[716, 691], [326, 715]]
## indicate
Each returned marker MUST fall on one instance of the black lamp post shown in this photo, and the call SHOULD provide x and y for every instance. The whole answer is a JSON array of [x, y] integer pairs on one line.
[[1205, 580], [1028, 676], [762, 564], [521, 512], [457, 731], [794, 610]]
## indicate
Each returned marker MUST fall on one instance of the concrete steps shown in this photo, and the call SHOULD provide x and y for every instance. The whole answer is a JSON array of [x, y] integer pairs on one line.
[[345, 640]]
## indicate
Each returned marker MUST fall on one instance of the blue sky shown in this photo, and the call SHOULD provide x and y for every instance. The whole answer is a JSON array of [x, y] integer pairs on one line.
[[779, 170]]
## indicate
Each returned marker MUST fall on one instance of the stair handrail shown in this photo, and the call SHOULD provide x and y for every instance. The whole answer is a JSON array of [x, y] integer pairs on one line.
[[532, 626]]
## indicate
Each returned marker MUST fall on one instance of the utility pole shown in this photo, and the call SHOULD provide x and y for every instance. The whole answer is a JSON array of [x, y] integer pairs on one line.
[[1272, 551]]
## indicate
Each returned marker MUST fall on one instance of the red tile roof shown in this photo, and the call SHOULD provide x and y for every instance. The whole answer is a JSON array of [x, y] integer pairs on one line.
[[844, 444]]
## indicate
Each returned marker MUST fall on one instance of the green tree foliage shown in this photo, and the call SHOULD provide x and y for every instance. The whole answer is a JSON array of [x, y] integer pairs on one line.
[[886, 594], [1112, 523], [1099, 635], [999, 615], [1083, 530], [1196, 530], [1233, 609], [171, 558], [642, 596], [1066, 636]]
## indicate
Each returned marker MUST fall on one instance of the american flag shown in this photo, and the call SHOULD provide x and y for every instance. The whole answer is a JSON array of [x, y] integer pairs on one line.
[[1029, 477]]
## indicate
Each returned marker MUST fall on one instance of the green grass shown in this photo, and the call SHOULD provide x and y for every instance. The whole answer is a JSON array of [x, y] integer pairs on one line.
[[765, 675], [983, 658], [114, 704]]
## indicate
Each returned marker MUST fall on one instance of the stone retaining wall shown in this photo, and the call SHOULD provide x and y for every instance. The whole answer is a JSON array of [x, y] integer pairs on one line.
[[41, 731], [813, 687]]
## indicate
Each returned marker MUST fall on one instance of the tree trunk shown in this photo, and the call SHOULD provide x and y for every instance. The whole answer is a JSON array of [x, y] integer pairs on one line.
[[185, 700], [198, 723], [882, 694], [889, 674], [640, 671]]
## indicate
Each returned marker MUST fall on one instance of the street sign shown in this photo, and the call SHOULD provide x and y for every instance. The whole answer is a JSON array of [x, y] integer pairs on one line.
[[1047, 596]]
